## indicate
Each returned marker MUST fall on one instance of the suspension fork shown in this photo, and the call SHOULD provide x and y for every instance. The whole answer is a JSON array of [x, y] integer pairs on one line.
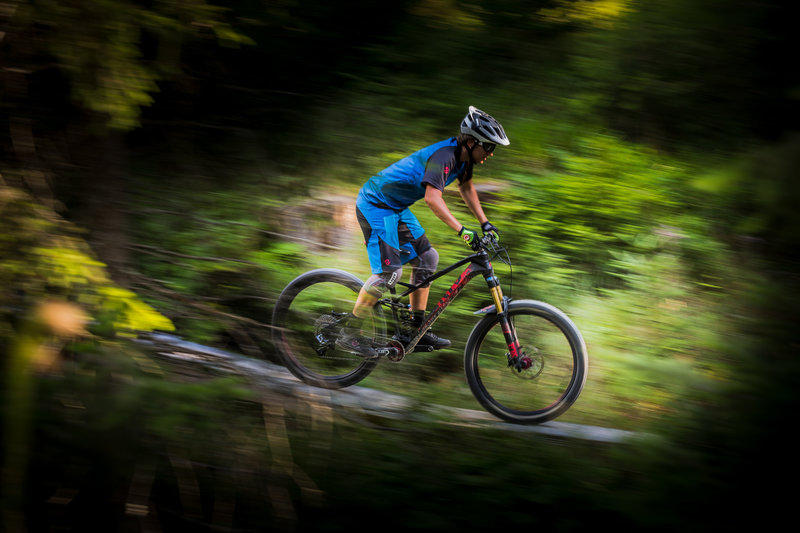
[[509, 333]]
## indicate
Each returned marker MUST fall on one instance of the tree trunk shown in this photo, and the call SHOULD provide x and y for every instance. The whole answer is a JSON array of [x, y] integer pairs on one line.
[[104, 191]]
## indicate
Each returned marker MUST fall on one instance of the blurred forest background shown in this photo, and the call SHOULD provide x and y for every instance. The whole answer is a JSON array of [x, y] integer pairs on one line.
[[169, 165]]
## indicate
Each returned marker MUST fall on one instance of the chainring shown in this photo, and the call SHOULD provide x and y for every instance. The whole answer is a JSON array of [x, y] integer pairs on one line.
[[399, 349]]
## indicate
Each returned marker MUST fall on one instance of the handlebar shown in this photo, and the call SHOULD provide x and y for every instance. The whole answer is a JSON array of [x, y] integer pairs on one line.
[[488, 242]]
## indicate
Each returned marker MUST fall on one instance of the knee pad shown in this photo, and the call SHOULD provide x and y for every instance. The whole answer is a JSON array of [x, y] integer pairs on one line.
[[377, 284], [425, 265]]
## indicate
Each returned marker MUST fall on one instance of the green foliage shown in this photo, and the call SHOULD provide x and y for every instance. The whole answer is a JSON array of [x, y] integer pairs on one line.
[[601, 13], [756, 194], [211, 251], [658, 342], [657, 254], [695, 91], [579, 207], [605, 196], [98, 45], [43, 257]]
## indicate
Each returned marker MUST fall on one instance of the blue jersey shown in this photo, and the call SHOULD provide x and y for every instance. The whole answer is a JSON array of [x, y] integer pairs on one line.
[[403, 183]]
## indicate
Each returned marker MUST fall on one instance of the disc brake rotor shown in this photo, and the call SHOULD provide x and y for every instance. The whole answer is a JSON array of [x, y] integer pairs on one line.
[[529, 365]]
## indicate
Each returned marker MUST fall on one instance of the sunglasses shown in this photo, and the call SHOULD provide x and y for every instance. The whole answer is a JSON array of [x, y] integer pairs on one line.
[[487, 147]]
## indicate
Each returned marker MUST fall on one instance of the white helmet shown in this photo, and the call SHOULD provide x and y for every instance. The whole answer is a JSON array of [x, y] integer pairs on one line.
[[483, 127]]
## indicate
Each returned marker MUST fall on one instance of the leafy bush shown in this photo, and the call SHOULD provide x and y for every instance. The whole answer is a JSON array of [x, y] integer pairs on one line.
[[43, 257]]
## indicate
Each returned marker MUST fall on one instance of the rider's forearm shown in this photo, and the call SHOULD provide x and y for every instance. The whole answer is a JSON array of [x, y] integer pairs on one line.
[[470, 197], [433, 197]]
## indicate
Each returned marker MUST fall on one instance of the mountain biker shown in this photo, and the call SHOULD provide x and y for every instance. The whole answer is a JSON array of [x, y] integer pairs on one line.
[[393, 235]]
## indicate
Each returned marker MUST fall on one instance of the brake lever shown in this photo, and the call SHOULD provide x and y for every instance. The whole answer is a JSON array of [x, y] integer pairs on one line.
[[489, 240]]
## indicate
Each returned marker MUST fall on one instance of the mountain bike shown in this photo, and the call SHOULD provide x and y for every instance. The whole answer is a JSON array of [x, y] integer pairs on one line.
[[525, 361]]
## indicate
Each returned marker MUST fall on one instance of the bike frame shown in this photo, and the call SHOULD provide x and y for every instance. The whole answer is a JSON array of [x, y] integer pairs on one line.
[[479, 263]]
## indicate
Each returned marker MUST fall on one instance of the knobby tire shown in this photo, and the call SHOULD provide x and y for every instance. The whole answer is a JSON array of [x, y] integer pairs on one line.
[[557, 373]]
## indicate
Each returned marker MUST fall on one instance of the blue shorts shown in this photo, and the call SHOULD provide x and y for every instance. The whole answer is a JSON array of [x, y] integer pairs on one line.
[[393, 238]]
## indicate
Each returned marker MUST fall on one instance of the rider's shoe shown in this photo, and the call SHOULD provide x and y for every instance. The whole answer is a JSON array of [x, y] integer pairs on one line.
[[430, 339], [355, 343], [352, 339]]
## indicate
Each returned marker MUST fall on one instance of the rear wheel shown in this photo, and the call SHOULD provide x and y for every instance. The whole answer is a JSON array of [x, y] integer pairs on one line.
[[307, 320], [546, 380]]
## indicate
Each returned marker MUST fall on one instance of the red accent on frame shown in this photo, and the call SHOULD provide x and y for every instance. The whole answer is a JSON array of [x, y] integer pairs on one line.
[[451, 293]]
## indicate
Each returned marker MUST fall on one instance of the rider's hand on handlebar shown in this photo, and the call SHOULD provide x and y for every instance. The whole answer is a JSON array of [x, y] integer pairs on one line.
[[469, 237], [488, 227]]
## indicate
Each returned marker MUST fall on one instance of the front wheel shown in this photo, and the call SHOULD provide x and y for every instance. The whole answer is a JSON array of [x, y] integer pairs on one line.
[[306, 324], [553, 369]]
